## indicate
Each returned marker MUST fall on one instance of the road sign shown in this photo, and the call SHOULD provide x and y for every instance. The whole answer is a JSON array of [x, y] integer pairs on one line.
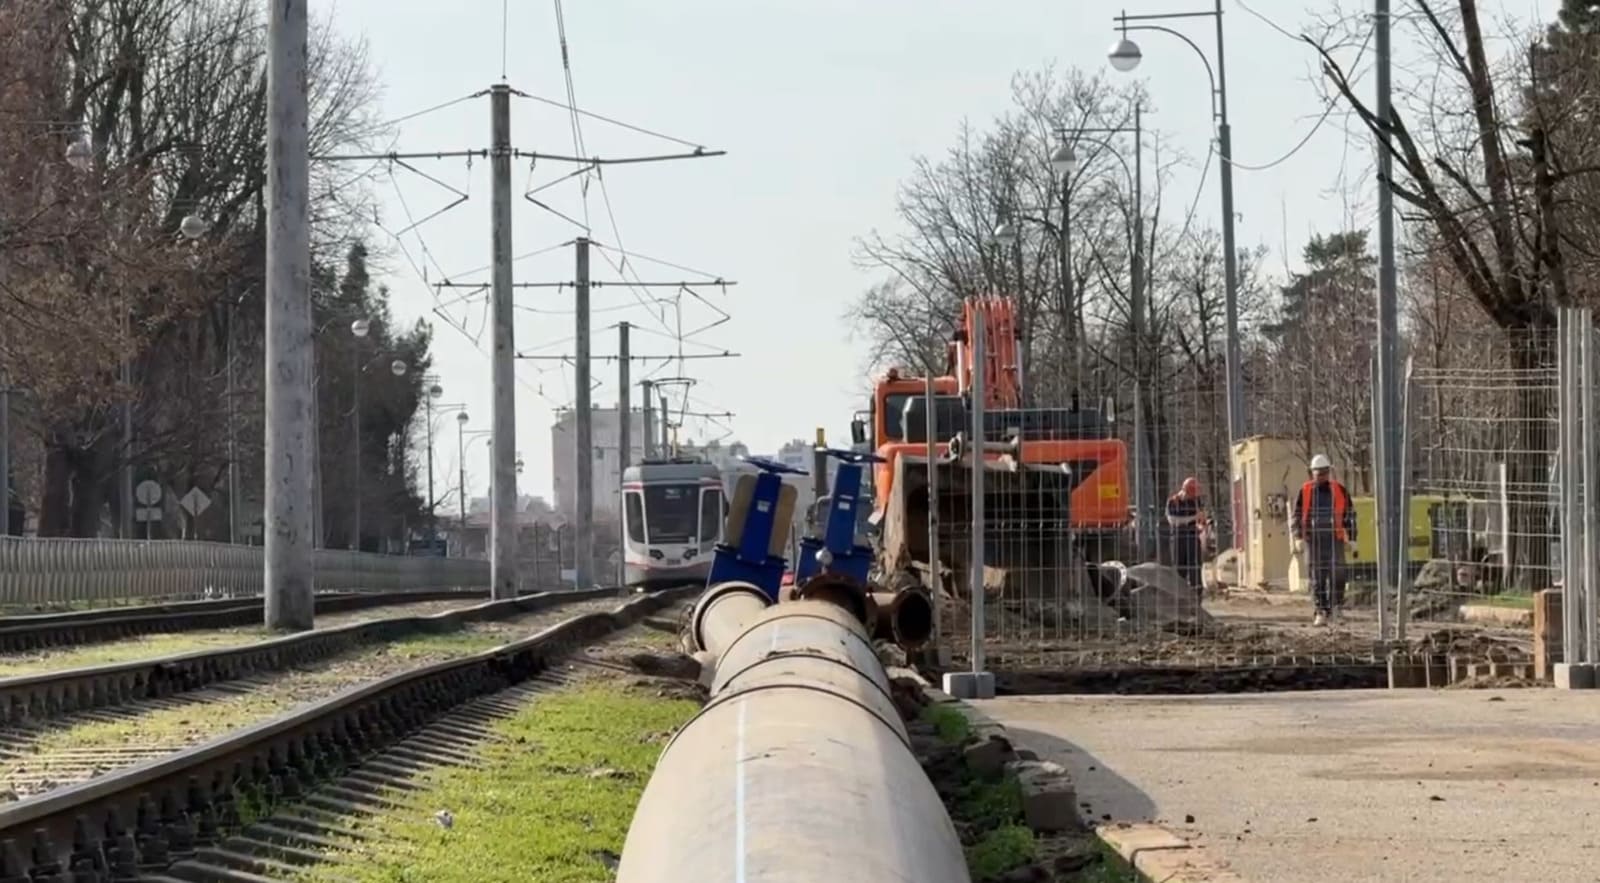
[[195, 502], [148, 493], [143, 515]]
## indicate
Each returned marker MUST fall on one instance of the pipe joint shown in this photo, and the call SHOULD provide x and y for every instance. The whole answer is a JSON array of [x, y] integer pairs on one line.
[[839, 590]]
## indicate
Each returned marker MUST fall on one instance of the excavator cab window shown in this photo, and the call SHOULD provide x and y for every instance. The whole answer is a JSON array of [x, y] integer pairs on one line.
[[949, 417]]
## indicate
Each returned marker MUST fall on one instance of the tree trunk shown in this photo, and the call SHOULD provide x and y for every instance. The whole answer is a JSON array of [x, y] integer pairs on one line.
[[1528, 461]]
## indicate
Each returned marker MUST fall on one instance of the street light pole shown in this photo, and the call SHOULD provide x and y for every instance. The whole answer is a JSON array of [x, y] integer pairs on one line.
[[1125, 55], [1064, 160]]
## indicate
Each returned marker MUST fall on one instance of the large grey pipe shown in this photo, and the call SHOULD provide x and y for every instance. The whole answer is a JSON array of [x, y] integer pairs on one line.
[[798, 770]]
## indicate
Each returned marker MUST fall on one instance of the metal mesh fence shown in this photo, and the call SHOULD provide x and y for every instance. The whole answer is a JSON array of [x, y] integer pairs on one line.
[[87, 571], [1220, 581], [1483, 425]]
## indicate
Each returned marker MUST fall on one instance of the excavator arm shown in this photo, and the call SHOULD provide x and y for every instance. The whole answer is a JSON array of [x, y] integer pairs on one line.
[[995, 317]]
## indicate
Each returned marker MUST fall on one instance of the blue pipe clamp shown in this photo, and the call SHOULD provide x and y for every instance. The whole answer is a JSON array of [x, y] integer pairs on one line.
[[751, 561], [837, 551]]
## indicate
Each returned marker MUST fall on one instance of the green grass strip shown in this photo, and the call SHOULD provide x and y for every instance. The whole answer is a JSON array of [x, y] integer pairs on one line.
[[552, 803]]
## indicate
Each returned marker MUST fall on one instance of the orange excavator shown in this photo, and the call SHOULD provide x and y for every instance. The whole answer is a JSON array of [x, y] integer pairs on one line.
[[1055, 486]]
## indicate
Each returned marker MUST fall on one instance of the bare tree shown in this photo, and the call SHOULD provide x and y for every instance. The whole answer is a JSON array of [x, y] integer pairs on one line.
[[171, 97], [1474, 162]]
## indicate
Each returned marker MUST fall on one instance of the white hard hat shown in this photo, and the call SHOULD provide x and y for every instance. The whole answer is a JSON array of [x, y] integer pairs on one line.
[[1320, 461]]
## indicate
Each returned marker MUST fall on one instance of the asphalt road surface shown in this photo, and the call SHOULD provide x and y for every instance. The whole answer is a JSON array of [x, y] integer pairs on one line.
[[1399, 786]]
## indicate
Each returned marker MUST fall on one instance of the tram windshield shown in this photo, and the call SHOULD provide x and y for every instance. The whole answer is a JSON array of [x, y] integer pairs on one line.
[[672, 512]]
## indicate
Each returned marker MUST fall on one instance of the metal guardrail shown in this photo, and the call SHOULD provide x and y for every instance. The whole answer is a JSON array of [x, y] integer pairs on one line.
[[62, 571]]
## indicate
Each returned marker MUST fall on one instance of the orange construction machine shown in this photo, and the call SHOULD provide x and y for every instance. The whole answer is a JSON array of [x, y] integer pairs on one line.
[[1055, 486]]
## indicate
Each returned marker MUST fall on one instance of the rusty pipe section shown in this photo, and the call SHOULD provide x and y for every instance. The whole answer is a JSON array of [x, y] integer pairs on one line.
[[798, 770], [904, 617]]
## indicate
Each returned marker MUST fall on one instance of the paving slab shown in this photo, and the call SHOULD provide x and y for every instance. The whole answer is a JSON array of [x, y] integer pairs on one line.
[[1341, 787]]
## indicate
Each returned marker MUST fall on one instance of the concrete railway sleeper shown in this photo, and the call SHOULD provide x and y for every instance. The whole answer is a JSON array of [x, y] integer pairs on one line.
[[137, 822], [54, 694], [39, 631]]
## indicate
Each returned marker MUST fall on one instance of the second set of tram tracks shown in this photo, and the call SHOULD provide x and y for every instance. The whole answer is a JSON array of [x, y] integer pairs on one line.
[[64, 727], [135, 823]]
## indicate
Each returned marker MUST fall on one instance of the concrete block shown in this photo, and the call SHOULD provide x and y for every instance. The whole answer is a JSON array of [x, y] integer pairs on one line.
[[1405, 672], [969, 684], [1574, 675], [1049, 801], [1157, 854], [988, 757]]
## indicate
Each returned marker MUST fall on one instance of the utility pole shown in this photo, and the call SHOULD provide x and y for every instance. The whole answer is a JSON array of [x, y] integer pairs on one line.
[[624, 403], [503, 441], [290, 574], [649, 418], [624, 418], [666, 428], [584, 564], [1391, 529]]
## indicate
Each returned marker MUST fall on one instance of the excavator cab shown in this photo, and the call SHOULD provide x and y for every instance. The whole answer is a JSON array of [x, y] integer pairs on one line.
[[1027, 505]]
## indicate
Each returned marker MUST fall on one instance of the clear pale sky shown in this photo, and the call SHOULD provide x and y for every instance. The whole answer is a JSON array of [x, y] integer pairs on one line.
[[821, 106]]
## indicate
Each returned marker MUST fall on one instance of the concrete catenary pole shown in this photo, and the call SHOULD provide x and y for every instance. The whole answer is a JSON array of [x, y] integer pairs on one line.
[[624, 403], [584, 564], [503, 438], [624, 419], [1391, 533], [649, 418], [290, 571], [1234, 366]]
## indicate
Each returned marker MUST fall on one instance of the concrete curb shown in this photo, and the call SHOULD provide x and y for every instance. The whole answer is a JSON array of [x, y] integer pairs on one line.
[[1155, 853], [1160, 855]]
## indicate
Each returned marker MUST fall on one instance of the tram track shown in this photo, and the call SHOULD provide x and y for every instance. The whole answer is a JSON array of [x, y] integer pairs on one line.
[[37, 757], [132, 823], [53, 694], [33, 632]]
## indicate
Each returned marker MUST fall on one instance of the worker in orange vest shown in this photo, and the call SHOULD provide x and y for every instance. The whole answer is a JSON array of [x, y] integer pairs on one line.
[[1322, 524]]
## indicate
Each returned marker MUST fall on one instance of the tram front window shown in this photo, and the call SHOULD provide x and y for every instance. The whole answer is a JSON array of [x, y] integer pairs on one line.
[[672, 512]]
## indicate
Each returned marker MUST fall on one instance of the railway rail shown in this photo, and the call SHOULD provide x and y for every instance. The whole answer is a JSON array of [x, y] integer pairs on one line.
[[43, 630], [137, 821], [47, 695]]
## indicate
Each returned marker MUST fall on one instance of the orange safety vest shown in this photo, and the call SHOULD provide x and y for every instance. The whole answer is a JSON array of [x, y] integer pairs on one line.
[[1341, 502]]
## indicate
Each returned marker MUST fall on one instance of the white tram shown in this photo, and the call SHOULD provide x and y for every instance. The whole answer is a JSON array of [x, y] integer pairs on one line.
[[673, 511]]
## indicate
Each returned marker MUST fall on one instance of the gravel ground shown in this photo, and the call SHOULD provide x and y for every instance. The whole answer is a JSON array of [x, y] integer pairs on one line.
[[80, 747], [1034, 648], [170, 643]]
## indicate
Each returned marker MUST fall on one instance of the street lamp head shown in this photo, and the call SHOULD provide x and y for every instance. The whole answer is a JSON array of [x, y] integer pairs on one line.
[[1064, 160], [360, 327], [80, 153], [193, 226], [1125, 55], [435, 391], [398, 367], [461, 418], [1005, 234]]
